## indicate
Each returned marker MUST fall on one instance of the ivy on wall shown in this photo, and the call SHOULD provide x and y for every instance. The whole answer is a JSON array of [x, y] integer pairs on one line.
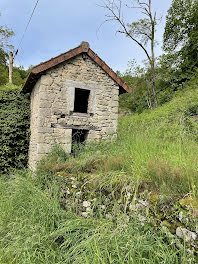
[[14, 128]]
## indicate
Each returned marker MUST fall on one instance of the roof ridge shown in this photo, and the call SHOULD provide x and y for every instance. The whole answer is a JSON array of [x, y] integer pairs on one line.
[[83, 44], [84, 47], [52, 58]]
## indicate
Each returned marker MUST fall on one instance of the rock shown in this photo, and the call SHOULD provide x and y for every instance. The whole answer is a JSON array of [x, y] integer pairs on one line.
[[167, 232], [108, 216], [166, 223], [189, 202], [194, 236], [86, 204], [131, 207], [196, 229], [102, 207], [127, 218], [88, 210], [173, 238], [191, 251], [73, 179], [142, 218], [68, 192], [128, 195], [136, 207], [186, 234], [46, 80], [195, 212], [171, 225], [144, 203], [181, 215], [84, 214], [154, 198], [139, 207]]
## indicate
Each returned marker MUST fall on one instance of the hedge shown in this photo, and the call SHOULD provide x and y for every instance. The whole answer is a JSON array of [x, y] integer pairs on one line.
[[14, 128]]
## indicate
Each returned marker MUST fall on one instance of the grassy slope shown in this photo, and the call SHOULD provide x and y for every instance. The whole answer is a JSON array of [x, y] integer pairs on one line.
[[162, 145], [155, 150]]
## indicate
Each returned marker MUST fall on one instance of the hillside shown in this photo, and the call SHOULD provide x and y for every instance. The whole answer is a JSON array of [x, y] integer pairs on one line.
[[111, 202]]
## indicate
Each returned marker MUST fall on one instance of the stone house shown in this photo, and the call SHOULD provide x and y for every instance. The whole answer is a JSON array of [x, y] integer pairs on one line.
[[74, 97]]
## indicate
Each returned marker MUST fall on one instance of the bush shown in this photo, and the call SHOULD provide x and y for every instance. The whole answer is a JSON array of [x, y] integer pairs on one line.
[[14, 128]]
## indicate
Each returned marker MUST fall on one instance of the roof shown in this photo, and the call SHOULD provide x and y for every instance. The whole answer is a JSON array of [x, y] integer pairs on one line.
[[84, 47]]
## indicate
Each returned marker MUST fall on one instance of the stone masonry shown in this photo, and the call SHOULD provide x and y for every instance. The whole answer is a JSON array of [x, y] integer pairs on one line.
[[52, 106]]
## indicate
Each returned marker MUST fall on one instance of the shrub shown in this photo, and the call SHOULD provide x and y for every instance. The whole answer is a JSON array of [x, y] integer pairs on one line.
[[14, 128]]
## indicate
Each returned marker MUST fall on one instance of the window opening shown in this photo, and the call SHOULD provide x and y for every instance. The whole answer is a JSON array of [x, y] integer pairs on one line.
[[78, 139], [81, 100]]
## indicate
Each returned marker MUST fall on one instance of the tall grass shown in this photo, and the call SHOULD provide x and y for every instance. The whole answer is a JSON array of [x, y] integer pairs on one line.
[[161, 144], [156, 149], [34, 229]]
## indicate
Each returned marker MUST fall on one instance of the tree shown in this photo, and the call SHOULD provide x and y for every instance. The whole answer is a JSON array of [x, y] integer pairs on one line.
[[136, 77], [5, 35], [142, 32], [181, 37]]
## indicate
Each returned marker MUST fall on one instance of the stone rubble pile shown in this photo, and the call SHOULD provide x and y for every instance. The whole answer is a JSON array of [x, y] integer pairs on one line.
[[177, 220]]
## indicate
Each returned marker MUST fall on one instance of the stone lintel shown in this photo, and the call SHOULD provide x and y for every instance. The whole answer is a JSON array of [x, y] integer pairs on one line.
[[66, 126]]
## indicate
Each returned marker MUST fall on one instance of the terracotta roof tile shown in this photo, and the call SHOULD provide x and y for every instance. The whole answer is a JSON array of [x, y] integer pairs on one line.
[[39, 69]]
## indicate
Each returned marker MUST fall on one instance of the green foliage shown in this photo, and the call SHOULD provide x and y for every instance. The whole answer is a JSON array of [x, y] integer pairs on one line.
[[142, 29], [175, 68], [180, 37], [137, 78], [3, 74], [137, 101], [168, 85], [14, 127], [3, 57], [19, 74], [179, 20], [5, 35]]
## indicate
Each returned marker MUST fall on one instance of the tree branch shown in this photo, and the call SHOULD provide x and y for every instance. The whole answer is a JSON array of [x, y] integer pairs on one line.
[[117, 17]]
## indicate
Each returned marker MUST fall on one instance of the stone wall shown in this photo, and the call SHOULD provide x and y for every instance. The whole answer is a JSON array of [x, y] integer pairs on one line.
[[34, 105], [52, 105]]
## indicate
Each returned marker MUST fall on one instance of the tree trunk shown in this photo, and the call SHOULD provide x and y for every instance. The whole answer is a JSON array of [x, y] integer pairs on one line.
[[153, 57], [136, 31], [11, 67], [153, 87]]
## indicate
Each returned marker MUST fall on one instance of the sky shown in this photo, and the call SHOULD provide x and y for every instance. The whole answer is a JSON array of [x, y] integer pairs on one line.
[[60, 25]]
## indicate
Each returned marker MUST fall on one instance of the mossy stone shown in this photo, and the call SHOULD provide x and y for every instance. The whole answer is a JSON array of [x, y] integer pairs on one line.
[[172, 226]]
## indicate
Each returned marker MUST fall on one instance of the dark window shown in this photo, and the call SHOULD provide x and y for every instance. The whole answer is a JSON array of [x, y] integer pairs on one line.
[[78, 138], [81, 100]]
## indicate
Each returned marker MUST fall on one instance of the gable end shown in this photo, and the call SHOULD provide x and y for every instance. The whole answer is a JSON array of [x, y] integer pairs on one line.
[[40, 69]]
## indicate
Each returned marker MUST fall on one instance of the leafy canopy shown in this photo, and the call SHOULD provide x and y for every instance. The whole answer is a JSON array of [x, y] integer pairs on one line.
[[5, 35], [180, 36]]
